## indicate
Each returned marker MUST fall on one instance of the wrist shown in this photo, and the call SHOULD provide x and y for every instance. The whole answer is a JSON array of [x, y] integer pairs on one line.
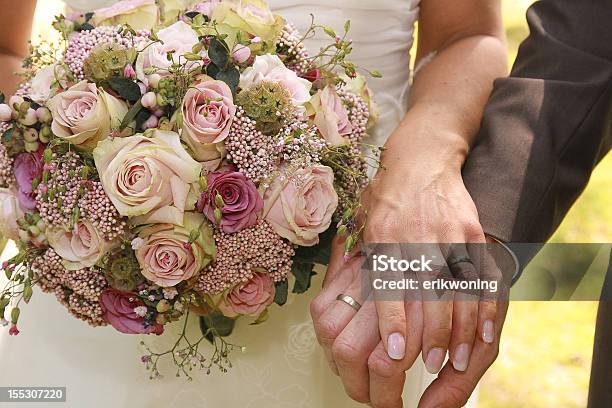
[[409, 150]]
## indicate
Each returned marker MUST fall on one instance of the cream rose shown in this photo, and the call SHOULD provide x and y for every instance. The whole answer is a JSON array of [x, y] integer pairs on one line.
[[150, 179], [81, 247], [10, 212], [41, 86], [300, 206], [270, 68], [251, 16], [178, 38], [330, 116], [140, 14], [208, 112], [83, 114], [167, 258]]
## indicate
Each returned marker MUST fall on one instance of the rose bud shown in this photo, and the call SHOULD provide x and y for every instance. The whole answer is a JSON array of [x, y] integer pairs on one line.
[[5, 112], [149, 100], [129, 72], [154, 80], [30, 118], [150, 123], [44, 115], [241, 53]]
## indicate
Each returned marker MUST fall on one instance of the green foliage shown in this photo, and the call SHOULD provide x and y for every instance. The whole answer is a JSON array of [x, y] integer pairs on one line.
[[215, 324], [126, 88], [280, 295], [303, 272]]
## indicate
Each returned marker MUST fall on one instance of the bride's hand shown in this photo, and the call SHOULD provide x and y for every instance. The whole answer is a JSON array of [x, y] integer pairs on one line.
[[423, 200]]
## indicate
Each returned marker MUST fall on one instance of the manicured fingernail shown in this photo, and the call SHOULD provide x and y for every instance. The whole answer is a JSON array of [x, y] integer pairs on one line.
[[461, 357], [488, 332], [396, 346], [434, 360]]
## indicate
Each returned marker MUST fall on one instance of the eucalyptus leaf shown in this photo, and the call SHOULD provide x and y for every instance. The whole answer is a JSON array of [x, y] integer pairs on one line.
[[303, 273], [212, 70], [126, 88], [320, 253], [218, 52], [231, 77], [280, 295]]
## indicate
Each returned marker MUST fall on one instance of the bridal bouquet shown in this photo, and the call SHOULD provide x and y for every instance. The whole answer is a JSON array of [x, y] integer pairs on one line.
[[162, 162]]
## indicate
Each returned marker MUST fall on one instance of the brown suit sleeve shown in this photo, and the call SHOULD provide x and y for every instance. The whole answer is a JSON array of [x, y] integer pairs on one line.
[[546, 126]]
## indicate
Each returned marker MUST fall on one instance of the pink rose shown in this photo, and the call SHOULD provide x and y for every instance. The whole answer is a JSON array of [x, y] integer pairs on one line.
[[27, 167], [167, 257], [300, 206], [331, 117], [249, 298], [270, 68], [208, 112], [241, 200], [118, 310]]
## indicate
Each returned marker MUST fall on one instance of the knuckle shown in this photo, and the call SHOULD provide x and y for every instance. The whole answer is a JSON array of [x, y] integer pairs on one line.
[[437, 335], [327, 329], [381, 366], [393, 314], [344, 350], [316, 308], [473, 231], [459, 391]]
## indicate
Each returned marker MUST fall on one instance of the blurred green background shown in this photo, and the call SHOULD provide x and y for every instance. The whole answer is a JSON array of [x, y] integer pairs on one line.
[[546, 347]]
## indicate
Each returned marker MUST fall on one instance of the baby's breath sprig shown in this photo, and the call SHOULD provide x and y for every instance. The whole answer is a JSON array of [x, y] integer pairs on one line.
[[187, 355]]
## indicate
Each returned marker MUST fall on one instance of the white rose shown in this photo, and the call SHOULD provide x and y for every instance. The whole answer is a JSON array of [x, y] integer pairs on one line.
[[80, 248], [10, 212], [179, 38], [271, 69], [148, 178], [83, 115]]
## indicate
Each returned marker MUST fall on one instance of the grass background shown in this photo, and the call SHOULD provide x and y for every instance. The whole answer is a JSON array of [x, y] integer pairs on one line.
[[546, 346]]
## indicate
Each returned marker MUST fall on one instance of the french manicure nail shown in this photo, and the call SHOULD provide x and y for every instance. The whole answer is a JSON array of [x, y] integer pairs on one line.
[[461, 357], [488, 332], [396, 346], [434, 360]]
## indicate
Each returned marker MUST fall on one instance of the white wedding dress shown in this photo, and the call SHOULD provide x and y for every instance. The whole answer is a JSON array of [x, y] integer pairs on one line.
[[283, 366]]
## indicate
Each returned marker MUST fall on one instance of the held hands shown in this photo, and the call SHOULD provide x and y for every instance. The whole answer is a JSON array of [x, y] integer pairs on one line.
[[371, 348]]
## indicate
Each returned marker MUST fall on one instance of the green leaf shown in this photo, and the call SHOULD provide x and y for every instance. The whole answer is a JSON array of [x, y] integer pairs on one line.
[[216, 324], [347, 26], [280, 295], [27, 293], [212, 70], [303, 273], [126, 88], [129, 117], [329, 31], [261, 318], [318, 254], [218, 52], [231, 77]]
